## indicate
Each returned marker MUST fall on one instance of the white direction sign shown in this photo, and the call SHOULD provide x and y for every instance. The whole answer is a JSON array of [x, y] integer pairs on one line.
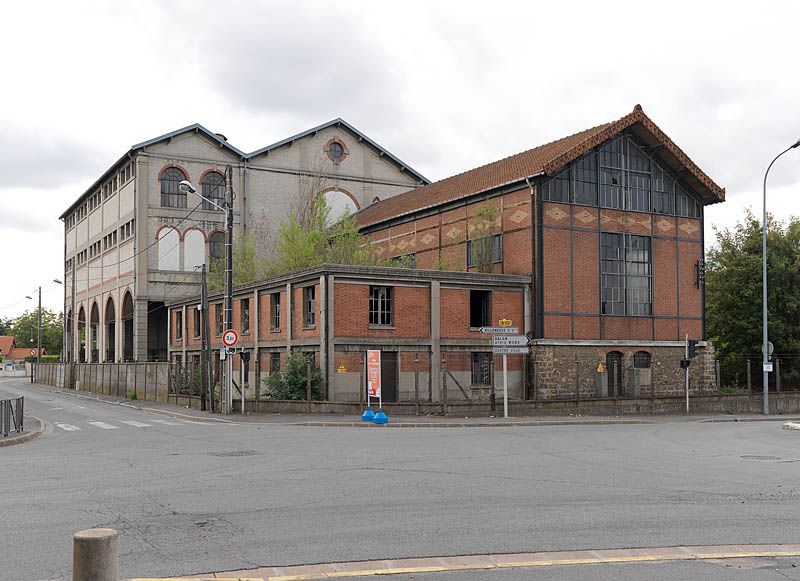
[[230, 338], [500, 330], [510, 350], [509, 341]]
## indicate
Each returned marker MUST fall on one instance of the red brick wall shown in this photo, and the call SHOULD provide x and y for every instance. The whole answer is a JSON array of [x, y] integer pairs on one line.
[[455, 311], [674, 274], [448, 232], [351, 312], [264, 332]]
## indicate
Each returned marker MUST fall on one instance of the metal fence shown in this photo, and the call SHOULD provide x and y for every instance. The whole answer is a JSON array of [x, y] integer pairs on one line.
[[11, 415], [745, 374]]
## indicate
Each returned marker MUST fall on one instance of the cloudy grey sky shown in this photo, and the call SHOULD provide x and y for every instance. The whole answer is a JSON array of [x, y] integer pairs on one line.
[[445, 86]]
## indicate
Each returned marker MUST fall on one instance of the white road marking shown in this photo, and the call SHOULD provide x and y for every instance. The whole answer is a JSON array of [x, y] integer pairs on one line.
[[136, 424], [166, 423], [68, 427], [104, 425], [54, 409]]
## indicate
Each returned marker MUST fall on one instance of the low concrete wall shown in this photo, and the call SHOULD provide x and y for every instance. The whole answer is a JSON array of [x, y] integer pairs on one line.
[[783, 403]]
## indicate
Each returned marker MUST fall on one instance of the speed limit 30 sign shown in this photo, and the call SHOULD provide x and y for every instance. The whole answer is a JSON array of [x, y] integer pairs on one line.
[[230, 338]]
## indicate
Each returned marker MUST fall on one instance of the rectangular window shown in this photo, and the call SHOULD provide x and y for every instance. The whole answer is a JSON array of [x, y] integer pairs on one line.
[[274, 363], [404, 261], [178, 324], [275, 312], [197, 321], [626, 273], [309, 309], [480, 313], [478, 251], [220, 318], [380, 305], [481, 369], [244, 315]]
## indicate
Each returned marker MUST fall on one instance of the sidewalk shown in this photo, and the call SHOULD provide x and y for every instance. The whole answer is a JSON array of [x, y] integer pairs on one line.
[[396, 421], [33, 428]]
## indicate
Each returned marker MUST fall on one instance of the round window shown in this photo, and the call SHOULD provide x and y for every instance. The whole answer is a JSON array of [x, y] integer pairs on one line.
[[336, 151]]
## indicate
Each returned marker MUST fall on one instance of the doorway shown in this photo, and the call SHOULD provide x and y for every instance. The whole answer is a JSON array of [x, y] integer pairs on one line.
[[614, 367], [389, 376]]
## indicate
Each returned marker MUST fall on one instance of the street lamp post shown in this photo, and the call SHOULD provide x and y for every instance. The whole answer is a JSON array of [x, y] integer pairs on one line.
[[765, 344], [227, 207]]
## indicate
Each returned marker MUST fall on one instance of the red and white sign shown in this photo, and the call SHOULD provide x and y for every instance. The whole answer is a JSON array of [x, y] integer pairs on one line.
[[374, 373], [230, 338]]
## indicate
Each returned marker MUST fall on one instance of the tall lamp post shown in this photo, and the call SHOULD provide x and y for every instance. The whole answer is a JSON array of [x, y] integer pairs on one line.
[[39, 324], [767, 366], [227, 207]]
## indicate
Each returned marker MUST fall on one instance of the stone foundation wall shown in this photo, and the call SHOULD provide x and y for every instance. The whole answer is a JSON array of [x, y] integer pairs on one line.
[[570, 371]]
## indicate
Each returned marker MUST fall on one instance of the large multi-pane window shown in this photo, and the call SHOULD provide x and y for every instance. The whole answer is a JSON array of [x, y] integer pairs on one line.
[[275, 312], [171, 195], [623, 176], [216, 245], [220, 318], [483, 252], [626, 275], [213, 189], [309, 308], [244, 315], [380, 305]]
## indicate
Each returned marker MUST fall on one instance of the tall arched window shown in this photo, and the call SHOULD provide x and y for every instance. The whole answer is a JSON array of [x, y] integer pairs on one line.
[[216, 245], [194, 249], [171, 195], [340, 205], [127, 327], [111, 331], [82, 335], [213, 189], [94, 338], [169, 252]]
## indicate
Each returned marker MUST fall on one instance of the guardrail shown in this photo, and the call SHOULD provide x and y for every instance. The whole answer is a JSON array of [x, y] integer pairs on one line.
[[11, 411]]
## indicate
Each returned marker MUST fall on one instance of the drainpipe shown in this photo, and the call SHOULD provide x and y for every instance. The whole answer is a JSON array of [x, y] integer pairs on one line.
[[529, 372]]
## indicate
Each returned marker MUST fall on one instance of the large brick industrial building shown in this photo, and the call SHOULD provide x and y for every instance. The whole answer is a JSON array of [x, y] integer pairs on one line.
[[607, 226]]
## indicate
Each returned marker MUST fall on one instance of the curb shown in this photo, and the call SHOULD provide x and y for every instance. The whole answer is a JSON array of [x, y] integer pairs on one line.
[[729, 420], [44, 429], [469, 425]]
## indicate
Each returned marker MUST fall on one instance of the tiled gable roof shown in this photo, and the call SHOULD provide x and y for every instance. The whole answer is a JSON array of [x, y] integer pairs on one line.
[[546, 159], [7, 343]]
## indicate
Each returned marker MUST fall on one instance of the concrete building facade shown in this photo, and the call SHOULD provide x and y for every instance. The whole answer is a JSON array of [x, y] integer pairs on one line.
[[134, 240]]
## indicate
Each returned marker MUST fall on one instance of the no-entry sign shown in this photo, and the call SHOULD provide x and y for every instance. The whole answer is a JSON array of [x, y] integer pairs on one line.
[[374, 373], [230, 338]]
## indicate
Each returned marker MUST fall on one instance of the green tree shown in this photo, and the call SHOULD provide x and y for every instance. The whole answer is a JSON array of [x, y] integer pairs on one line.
[[316, 242], [5, 325], [291, 383], [733, 294], [246, 267], [24, 328], [482, 232]]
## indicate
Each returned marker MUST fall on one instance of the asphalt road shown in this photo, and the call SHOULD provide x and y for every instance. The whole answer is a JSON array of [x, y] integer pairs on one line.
[[192, 497]]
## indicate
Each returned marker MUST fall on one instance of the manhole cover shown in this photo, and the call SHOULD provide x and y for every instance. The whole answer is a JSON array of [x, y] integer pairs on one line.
[[236, 453], [759, 457]]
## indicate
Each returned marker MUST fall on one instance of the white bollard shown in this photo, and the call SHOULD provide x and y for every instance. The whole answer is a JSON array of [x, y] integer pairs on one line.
[[94, 555]]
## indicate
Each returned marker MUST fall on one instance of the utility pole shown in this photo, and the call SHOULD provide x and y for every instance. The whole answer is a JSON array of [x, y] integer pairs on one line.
[[204, 391], [228, 285], [39, 334]]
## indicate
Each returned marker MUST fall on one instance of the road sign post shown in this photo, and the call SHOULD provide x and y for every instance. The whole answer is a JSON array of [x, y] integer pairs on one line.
[[229, 338]]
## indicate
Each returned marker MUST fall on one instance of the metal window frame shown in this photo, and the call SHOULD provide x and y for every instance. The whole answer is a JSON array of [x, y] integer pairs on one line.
[[381, 305]]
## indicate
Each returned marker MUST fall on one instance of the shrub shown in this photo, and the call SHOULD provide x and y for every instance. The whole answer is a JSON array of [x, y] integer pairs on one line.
[[291, 383]]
